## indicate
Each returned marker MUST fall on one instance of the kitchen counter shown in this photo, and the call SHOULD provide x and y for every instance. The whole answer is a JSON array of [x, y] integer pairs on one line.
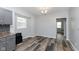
[[4, 34]]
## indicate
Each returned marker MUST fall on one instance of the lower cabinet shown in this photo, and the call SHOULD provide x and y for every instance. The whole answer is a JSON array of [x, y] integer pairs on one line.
[[11, 43], [7, 43], [3, 44]]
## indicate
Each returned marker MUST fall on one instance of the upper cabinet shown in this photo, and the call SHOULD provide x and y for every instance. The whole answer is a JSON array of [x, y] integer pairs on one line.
[[5, 16]]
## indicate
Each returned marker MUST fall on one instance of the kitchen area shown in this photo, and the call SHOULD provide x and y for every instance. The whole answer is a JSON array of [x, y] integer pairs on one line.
[[7, 39]]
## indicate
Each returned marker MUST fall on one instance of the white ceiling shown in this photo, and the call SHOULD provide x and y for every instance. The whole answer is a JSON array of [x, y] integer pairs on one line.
[[36, 11]]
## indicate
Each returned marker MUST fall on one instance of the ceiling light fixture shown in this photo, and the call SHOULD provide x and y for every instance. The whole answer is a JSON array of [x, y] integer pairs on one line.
[[44, 10]]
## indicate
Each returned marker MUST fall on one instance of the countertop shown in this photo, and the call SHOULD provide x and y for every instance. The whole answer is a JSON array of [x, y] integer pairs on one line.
[[4, 34]]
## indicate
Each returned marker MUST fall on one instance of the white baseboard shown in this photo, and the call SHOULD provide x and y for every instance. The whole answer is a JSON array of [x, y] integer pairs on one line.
[[27, 37], [73, 47], [46, 36]]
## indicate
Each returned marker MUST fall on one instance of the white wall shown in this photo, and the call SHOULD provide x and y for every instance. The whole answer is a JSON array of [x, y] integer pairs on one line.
[[74, 27], [29, 31], [46, 25], [39, 25]]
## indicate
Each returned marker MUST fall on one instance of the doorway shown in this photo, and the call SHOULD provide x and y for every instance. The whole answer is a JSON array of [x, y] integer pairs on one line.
[[61, 32], [61, 26]]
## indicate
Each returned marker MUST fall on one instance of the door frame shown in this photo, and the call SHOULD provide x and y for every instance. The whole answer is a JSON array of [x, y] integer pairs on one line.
[[65, 35]]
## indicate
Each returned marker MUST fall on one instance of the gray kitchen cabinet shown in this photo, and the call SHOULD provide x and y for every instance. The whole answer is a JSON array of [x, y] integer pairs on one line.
[[11, 45], [1, 16], [8, 17], [3, 44], [5, 16], [7, 43]]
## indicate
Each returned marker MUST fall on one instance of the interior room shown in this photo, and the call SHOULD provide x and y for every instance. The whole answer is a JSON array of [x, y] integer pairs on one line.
[[39, 28]]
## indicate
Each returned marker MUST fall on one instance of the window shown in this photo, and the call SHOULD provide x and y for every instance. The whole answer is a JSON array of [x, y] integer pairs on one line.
[[21, 22], [59, 24]]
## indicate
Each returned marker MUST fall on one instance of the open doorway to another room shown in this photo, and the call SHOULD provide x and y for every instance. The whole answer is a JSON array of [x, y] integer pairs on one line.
[[61, 26], [61, 32]]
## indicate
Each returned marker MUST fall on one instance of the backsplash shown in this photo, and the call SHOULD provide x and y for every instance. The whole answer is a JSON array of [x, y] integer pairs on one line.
[[4, 28]]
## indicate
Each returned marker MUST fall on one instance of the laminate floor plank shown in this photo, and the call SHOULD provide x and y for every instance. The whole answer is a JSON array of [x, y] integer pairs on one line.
[[40, 43]]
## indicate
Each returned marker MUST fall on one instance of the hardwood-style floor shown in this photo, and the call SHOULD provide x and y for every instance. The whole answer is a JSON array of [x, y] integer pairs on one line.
[[62, 44], [40, 43]]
